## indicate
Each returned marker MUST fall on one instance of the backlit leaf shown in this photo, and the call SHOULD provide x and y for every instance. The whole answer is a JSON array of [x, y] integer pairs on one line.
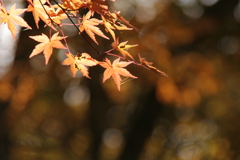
[[114, 70], [89, 25], [46, 46], [12, 17]]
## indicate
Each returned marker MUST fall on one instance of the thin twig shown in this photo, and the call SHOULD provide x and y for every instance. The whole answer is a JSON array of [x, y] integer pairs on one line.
[[65, 40], [52, 22], [89, 43]]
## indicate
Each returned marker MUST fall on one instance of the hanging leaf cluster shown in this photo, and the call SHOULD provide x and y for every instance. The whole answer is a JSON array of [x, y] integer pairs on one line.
[[52, 15]]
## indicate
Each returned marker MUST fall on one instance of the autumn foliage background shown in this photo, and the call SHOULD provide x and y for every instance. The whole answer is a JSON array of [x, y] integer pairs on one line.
[[191, 115]]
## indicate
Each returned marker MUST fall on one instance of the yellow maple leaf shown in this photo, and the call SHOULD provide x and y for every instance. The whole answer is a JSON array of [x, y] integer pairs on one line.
[[114, 70], [12, 17], [38, 10], [46, 46], [80, 61], [123, 48], [89, 25]]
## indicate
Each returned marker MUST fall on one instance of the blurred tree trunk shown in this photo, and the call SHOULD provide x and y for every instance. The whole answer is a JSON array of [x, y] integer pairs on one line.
[[142, 126]]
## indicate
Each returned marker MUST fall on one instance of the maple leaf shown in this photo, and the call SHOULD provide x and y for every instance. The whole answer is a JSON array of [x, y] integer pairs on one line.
[[114, 70], [12, 17], [56, 16], [80, 61], [125, 21], [149, 66], [89, 25], [46, 46], [71, 61], [112, 23], [122, 48], [99, 6], [83, 60], [38, 10], [74, 5]]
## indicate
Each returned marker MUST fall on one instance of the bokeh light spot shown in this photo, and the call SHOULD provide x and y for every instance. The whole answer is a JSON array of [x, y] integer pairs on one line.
[[194, 12], [112, 138], [186, 3], [229, 44], [208, 2], [75, 96]]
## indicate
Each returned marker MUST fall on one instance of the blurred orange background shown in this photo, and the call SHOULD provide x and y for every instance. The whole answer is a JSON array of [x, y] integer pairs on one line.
[[193, 114]]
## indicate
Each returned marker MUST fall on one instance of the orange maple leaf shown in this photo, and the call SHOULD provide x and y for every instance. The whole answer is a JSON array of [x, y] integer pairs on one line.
[[123, 48], [71, 61], [38, 10], [149, 66], [80, 61], [99, 6], [46, 46], [114, 70], [125, 21], [111, 23], [72, 5], [56, 16], [12, 17], [89, 25]]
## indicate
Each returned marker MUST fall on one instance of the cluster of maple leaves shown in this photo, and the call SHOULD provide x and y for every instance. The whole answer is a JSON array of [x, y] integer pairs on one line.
[[53, 14]]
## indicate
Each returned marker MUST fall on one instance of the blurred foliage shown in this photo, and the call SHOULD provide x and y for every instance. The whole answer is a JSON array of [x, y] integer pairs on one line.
[[191, 115]]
